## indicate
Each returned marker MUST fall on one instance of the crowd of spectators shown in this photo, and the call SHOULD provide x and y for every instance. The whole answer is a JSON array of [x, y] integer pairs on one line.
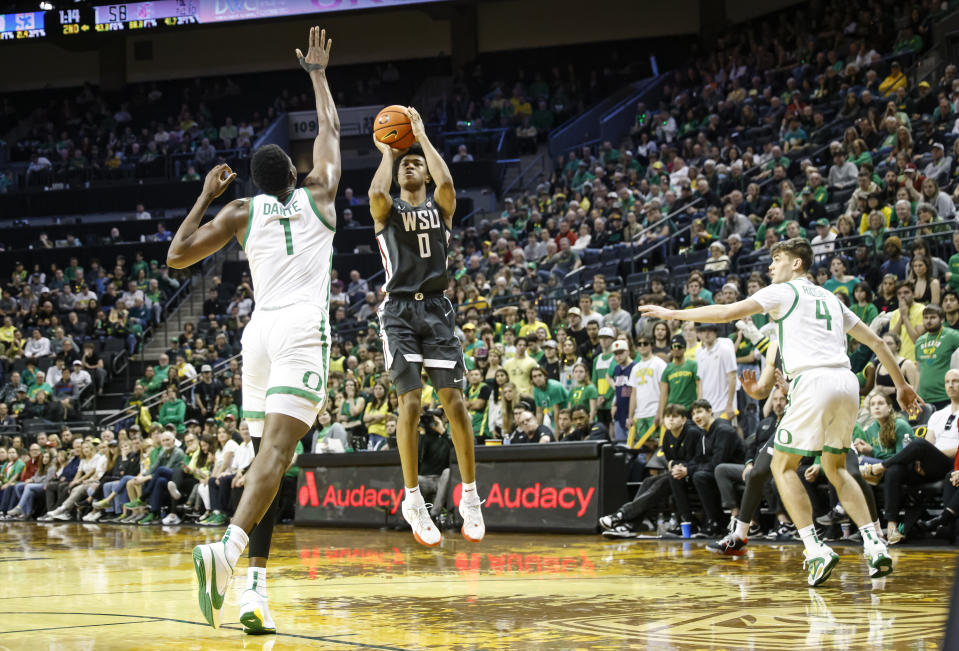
[[59, 326], [172, 129]]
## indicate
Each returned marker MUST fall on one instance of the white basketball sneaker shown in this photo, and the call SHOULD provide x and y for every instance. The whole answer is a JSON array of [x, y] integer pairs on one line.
[[213, 573], [474, 528], [255, 614], [424, 529]]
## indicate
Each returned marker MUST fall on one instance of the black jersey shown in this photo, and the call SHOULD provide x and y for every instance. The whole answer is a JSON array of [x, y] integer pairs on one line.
[[413, 247]]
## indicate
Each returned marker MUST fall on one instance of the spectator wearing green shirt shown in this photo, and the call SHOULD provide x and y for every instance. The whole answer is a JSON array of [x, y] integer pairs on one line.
[[679, 383], [602, 368], [227, 407], [840, 280], [952, 276], [695, 289], [816, 189], [861, 304], [907, 41], [477, 400], [584, 393], [934, 351], [549, 395], [600, 297], [886, 436], [774, 220], [714, 222], [163, 367], [40, 384], [151, 382], [172, 410]]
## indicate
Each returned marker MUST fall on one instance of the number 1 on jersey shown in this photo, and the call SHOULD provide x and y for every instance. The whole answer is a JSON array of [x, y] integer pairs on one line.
[[822, 312], [289, 234], [424, 241]]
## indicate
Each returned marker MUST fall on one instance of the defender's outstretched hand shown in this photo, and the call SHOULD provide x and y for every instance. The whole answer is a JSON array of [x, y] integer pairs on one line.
[[318, 55]]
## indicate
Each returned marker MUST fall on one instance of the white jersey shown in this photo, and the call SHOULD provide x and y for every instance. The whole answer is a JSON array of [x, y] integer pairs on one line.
[[290, 249], [714, 365], [644, 378], [944, 424], [812, 325]]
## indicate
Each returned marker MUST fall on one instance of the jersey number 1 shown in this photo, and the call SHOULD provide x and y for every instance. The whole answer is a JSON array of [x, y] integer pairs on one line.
[[288, 232], [424, 241], [822, 312]]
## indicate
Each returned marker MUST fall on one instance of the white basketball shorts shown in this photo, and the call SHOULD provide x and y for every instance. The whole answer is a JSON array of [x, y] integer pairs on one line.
[[820, 412], [286, 359]]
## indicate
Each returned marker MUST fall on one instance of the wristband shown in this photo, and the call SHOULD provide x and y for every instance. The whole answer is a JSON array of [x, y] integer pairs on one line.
[[310, 67]]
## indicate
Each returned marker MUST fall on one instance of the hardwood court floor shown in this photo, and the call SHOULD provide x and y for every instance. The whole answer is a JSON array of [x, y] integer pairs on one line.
[[73, 586]]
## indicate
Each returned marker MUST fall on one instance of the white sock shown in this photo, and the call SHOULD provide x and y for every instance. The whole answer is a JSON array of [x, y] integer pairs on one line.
[[256, 580], [810, 539], [870, 536], [741, 530], [413, 495], [234, 540], [469, 492]]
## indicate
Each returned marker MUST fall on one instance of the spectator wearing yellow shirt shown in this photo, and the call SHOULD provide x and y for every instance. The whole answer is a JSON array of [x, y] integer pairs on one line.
[[894, 81], [7, 332], [531, 324], [906, 322], [519, 366]]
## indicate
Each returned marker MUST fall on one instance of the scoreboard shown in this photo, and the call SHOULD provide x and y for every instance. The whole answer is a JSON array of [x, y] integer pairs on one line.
[[141, 16], [128, 16], [22, 26]]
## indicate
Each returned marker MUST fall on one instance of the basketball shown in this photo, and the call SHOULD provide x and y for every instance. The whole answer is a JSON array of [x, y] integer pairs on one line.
[[392, 127]]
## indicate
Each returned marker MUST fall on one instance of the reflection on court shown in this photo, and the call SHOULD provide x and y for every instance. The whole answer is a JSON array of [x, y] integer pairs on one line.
[[72, 586]]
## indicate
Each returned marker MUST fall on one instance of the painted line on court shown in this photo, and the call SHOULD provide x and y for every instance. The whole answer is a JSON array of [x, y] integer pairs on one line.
[[146, 619], [274, 586], [23, 560]]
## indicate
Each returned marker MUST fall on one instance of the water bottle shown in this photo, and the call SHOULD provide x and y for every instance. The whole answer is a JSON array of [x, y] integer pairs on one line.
[[660, 525]]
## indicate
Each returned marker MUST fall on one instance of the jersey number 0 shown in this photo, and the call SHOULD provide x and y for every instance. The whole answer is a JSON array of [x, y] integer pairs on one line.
[[424, 241]]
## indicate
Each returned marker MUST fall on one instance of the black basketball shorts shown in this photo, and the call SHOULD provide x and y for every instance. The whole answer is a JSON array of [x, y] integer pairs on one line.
[[417, 334]]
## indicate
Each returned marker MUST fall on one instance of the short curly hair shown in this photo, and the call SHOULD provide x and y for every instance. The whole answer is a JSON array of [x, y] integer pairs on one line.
[[270, 167], [415, 150]]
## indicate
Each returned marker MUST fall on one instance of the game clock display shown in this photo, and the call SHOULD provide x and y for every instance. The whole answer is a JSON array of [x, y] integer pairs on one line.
[[165, 14], [128, 16]]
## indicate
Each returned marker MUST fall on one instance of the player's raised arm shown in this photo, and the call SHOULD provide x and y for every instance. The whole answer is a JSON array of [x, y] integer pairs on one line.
[[380, 200], [192, 243], [445, 193], [324, 178], [706, 313]]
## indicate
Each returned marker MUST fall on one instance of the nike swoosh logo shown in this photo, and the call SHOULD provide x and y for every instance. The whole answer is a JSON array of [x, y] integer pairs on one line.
[[390, 135], [459, 380]]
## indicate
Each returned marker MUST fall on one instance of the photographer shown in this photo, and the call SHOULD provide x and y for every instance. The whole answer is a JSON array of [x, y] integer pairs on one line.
[[434, 460]]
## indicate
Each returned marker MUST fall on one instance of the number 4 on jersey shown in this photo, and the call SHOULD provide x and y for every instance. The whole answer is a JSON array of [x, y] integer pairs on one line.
[[822, 312]]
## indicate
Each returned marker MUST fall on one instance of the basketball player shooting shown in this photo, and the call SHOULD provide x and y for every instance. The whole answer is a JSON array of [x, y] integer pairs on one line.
[[823, 394], [287, 233], [416, 318]]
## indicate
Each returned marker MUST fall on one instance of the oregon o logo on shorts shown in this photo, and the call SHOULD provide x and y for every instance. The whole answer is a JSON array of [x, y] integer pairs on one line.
[[306, 380], [920, 432], [784, 436]]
